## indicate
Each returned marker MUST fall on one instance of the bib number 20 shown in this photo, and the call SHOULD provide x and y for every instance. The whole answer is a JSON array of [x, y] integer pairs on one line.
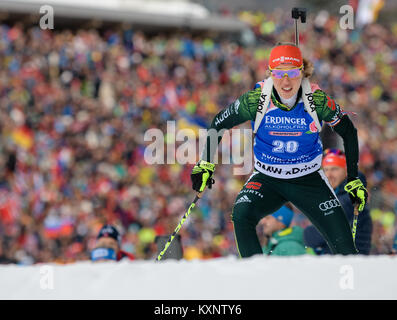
[[285, 146]]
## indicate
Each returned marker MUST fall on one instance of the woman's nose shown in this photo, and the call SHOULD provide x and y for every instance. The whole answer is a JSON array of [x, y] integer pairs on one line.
[[285, 80]]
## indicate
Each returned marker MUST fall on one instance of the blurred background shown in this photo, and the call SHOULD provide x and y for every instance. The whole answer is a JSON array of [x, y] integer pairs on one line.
[[76, 100]]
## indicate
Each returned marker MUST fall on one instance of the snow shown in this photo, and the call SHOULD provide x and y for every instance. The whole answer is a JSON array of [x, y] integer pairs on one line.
[[229, 278]]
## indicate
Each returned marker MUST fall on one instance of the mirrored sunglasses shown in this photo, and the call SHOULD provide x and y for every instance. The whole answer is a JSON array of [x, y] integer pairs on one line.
[[291, 73]]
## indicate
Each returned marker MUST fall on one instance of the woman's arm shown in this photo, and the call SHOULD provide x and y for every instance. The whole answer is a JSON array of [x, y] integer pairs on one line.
[[241, 110], [238, 112], [329, 111], [332, 114], [348, 132]]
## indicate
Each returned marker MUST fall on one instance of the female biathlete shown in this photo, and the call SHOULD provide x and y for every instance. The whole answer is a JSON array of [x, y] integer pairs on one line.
[[287, 113]]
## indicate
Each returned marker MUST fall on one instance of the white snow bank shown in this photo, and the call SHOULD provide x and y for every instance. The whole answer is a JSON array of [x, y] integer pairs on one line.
[[256, 278]]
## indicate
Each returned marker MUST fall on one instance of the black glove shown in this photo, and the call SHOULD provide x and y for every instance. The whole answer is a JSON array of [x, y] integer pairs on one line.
[[201, 175], [357, 193]]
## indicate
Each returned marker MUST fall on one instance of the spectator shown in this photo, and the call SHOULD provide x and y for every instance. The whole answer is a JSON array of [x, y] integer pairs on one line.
[[282, 240], [108, 245], [334, 166], [74, 106]]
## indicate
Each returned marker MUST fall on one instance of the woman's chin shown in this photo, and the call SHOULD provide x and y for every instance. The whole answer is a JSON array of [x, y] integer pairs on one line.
[[286, 94]]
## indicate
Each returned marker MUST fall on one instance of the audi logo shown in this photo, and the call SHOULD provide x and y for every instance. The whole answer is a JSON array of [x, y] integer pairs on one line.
[[324, 206]]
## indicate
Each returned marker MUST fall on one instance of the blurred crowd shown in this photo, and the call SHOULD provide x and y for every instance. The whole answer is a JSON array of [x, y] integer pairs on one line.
[[75, 105]]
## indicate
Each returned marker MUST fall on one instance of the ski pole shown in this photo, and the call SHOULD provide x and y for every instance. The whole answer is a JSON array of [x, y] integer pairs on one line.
[[178, 227], [355, 219]]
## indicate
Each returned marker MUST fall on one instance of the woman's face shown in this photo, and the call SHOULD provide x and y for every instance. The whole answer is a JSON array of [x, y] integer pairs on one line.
[[287, 87]]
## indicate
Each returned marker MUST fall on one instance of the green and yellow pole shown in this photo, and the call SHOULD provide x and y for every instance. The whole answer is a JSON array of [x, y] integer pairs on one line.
[[178, 227], [354, 226]]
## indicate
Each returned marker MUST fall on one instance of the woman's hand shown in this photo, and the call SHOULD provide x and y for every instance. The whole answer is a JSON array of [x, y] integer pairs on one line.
[[357, 193], [201, 175]]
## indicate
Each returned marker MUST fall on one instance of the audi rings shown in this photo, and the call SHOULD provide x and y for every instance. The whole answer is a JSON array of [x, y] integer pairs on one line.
[[327, 205]]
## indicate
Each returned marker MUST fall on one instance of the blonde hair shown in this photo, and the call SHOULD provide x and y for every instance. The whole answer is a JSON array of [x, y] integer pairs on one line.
[[308, 68]]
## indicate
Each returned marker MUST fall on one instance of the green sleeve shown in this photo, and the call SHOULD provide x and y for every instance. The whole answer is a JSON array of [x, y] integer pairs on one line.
[[332, 114], [241, 110], [327, 109]]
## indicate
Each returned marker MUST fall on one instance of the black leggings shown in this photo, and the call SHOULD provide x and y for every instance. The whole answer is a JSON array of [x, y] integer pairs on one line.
[[311, 194]]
